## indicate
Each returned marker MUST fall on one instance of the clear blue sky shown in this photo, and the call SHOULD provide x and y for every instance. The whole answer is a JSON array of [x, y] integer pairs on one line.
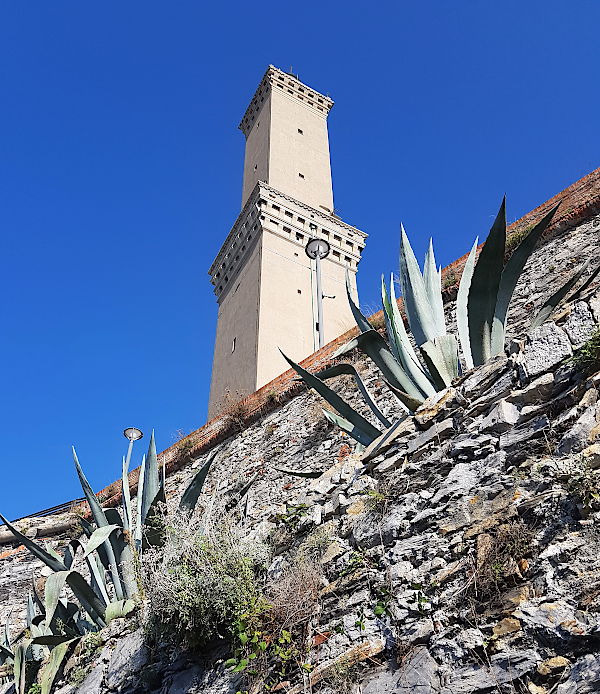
[[121, 174]]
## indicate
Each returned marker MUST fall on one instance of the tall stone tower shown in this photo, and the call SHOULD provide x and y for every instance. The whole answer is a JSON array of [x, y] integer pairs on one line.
[[264, 281]]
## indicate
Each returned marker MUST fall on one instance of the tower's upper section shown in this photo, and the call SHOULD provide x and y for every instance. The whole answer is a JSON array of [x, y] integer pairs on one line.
[[287, 145]]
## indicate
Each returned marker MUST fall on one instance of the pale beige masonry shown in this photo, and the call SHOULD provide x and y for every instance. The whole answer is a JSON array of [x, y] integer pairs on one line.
[[287, 145], [264, 282]]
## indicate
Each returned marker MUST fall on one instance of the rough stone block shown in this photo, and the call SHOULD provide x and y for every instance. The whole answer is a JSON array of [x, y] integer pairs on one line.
[[546, 346], [128, 658], [578, 436], [584, 677], [443, 401], [595, 307], [472, 446], [502, 418], [503, 668], [484, 377], [418, 675], [92, 684], [530, 430], [580, 324], [536, 392], [438, 432]]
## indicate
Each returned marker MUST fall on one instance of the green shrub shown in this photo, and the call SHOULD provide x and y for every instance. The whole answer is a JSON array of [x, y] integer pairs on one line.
[[203, 580]]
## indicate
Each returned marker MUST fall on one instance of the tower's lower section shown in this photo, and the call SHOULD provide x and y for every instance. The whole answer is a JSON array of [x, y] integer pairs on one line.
[[266, 288]]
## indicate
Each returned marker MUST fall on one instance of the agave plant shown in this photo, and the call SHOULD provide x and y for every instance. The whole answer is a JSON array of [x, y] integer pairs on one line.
[[485, 291], [56, 623]]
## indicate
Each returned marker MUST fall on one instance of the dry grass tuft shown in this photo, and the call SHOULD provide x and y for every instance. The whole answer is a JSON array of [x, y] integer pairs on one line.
[[235, 410]]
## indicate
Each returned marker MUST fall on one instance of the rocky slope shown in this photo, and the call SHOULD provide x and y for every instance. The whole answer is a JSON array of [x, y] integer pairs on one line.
[[457, 555]]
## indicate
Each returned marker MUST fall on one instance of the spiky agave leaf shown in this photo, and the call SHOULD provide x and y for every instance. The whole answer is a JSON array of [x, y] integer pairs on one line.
[[243, 491], [483, 292], [57, 656], [91, 603], [99, 537], [559, 295], [54, 586], [138, 532], [411, 404], [462, 298], [306, 474], [510, 277], [584, 286], [121, 608], [19, 666], [101, 521], [126, 497], [191, 495], [433, 289], [441, 357], [151, 479], [334, 400], [416, 303], [352, 430], [154, 529], [98, 581], [376, 348], [408, 358], [361, 320], [349, 370], [31, 611]]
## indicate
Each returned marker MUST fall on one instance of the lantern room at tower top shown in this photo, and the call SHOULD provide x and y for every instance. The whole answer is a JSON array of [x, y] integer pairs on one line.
[[264, 281]]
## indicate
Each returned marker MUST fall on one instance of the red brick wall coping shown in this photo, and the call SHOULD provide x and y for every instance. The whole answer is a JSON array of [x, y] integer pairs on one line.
[[578, 202]]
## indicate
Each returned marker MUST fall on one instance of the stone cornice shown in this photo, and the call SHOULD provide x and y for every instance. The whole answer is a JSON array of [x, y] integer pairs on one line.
[[253, 200], [291, 87]]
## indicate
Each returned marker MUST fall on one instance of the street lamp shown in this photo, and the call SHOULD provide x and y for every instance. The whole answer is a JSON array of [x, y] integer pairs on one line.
[[315, 250], [132, 434]]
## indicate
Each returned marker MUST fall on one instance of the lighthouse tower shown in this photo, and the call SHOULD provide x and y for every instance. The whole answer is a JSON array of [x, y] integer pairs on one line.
[[264, 281]]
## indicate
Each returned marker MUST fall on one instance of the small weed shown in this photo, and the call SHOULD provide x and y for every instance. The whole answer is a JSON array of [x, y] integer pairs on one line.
[[515, 239], [270, 641], [92, 644], [342, 677], [78, 674], [356, 561], [499, 559], [552, 268], [584, 483], [449, 281], [35, 689], [587, 357], [383, 604], [269, 430], [292, 516], [235, 410], [271, 397], [360, 620], [419, 597], [316, 543], [377, 321], [185, 446]]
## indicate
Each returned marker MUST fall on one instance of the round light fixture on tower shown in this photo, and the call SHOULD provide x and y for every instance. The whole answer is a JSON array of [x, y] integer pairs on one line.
[[132, 434], [317, 248]]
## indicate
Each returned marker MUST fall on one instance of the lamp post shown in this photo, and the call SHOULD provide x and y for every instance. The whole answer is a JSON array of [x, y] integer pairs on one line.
[[132, 434], [316, 249]]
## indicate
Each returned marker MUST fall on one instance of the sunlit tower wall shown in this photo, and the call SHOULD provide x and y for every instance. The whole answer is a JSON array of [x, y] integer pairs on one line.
[[264, 282]]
